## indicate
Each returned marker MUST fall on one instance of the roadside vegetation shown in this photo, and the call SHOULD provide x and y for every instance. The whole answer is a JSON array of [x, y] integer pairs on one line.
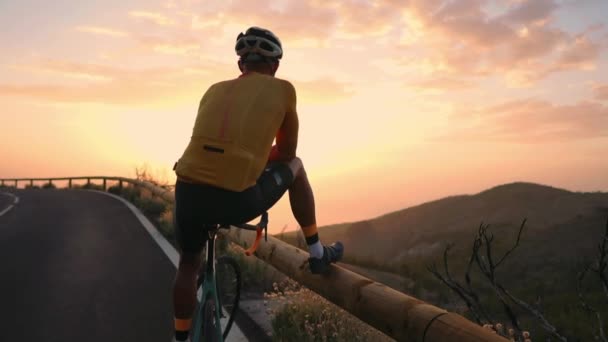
[[534, 293], [299, 314]]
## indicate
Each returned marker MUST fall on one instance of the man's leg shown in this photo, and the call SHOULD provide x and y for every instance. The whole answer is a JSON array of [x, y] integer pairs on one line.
[[302, 203], [184, 293]]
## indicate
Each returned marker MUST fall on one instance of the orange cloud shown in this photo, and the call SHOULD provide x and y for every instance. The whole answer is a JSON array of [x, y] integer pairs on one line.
[[182, 44], [461, 38], [298, 20], [120, 85], [105, 31], [155, 17], [322, 90], [600, 92], [441, 83], [530, 121]]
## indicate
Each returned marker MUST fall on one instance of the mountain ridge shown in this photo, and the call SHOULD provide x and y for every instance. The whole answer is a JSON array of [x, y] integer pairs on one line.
[[424, 229]]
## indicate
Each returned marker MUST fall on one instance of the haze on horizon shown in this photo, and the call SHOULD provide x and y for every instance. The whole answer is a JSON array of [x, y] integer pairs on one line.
[[400, 101]]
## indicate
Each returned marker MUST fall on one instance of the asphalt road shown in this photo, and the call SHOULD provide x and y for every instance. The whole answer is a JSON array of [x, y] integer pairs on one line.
[[5, 201], [78, 266]]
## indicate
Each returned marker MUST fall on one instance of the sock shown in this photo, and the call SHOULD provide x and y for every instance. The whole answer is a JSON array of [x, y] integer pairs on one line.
[[182, 328], [312, 240], [316, 250]]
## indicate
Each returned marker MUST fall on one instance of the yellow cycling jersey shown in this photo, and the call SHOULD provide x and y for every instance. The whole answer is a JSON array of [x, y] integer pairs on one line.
[[236, 124]]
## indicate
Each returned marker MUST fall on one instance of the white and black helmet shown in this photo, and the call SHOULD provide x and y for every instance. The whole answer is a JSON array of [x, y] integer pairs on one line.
[[257, 44]]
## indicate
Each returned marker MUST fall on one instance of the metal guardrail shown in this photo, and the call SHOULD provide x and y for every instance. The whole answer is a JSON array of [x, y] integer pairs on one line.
[[396, 314], [164, 193]]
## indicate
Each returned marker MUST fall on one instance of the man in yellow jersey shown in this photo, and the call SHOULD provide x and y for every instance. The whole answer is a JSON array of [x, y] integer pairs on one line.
[[231, 173]]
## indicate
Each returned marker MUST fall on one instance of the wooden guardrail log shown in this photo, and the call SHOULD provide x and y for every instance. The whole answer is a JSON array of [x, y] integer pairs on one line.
[[396, 314]]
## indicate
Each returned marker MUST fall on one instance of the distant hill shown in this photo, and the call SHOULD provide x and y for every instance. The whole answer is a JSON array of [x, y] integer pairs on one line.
[[553, 216], [562, 233]]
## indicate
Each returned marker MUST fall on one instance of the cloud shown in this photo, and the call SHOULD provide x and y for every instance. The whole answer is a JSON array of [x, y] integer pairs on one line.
[[441, 83], [116, 85], [600, 92], [119, 85], [524, 12], [522, 43], [529, 121], [181, 45], [70, 69], [154, 17], [105, 31], [297, 20], [321, 90]]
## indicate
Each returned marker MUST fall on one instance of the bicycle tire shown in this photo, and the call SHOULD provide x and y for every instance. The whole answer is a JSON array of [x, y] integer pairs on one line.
[[228, 287], [209, 322]]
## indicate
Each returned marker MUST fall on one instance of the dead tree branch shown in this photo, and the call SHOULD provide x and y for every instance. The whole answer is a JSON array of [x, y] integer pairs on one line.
[[598, 267], [467, 295], [488, 268], [589, 308]]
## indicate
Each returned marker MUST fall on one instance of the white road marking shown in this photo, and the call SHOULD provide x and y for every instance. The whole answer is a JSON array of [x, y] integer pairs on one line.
[[235, 334], [167, 248], [6, 210], [15, 201]]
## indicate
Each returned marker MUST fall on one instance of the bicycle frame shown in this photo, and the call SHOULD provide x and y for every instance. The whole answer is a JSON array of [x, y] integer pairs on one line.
[[209, 289], [210, 282]]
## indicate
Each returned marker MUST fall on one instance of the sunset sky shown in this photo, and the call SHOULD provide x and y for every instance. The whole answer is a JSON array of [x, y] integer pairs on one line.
[[400, 101]]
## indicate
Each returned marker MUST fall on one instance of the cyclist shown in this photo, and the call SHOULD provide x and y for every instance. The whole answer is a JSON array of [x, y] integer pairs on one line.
[[231, 172]]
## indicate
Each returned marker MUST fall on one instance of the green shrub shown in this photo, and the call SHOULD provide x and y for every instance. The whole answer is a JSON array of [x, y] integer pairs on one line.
[[92, 186], [131, 194], [115, 189], [49, 185], [153, 207]]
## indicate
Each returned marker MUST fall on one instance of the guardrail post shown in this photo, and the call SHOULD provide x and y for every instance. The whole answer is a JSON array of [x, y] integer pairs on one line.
[[104, 184], [70, 183], [16, 184], [31, 182], [120, 185], [50, 183], [88, 181], [2, 184]]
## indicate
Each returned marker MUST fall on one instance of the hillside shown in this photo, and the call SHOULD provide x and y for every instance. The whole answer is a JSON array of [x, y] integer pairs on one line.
[[422, 231], [562, 232]]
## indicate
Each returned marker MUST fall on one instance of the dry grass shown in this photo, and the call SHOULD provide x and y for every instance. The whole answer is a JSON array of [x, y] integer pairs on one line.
[[509, 333], [298, 314]]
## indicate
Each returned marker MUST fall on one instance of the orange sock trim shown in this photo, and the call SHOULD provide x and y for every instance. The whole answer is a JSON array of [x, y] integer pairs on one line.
[[183, 324], [309, 230]]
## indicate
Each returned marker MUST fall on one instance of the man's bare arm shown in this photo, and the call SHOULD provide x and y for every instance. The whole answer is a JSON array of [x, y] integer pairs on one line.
[[287, 136], [287, 139]]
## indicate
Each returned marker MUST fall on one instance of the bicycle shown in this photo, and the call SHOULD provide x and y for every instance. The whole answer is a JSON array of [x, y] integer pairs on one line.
[[214, 299]]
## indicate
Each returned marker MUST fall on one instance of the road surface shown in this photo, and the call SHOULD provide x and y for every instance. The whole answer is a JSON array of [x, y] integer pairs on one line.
[[79, 266]]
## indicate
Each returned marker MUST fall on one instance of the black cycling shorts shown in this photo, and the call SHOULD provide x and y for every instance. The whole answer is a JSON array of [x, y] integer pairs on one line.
[[197, 205]]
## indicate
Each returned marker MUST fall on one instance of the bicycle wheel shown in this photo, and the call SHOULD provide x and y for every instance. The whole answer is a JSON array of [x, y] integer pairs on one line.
[[228, 287], [209, 321], [228, 277]]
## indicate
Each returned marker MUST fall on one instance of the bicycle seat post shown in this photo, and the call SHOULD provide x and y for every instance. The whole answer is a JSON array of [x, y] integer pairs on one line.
[[212, 233]]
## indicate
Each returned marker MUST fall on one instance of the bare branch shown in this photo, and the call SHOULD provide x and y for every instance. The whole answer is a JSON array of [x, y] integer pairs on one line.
[[539, 315], [502, 294], [521, 229], [603, 261], [588, 307], [468, 295], [462, 294]]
